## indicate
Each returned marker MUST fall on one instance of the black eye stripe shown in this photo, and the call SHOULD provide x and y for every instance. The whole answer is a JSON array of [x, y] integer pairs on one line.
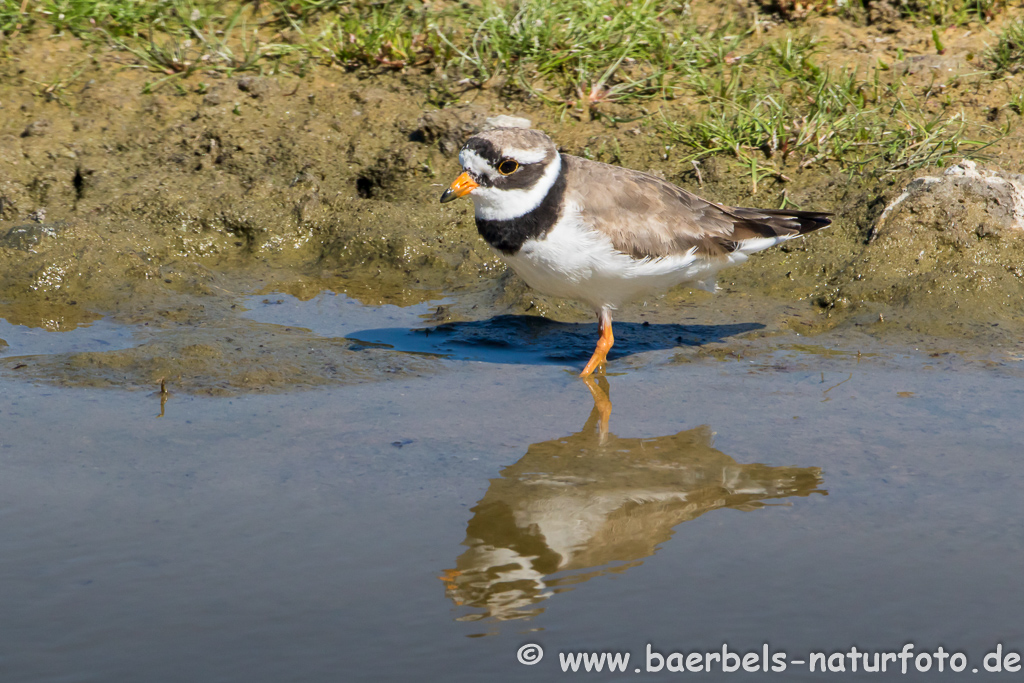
[[525, 177]]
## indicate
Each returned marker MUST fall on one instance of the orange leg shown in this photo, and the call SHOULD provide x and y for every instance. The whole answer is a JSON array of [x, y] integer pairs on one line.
[[604, 343]]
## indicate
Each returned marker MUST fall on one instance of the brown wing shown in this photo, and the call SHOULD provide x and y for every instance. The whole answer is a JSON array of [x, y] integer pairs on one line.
[[646, 216]]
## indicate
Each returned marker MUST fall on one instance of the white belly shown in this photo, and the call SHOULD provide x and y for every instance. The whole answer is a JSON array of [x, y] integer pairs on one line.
[[577, 262]]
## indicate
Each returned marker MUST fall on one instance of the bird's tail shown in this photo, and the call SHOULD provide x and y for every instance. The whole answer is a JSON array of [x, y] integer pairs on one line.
[[757, 229], [782, 221]]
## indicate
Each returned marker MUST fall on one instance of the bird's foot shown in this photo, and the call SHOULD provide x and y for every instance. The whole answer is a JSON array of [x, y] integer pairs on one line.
[[604, 345], [598, 360]]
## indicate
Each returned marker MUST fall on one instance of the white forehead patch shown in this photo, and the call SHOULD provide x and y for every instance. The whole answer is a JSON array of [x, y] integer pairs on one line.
[[526, 156], [476, 164]]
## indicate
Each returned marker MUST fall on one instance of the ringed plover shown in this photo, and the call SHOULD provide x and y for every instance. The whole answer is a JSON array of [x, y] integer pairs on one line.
[[604, 234]]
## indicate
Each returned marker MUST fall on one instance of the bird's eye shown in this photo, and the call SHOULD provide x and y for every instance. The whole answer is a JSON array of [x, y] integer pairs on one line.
[[508, 167]]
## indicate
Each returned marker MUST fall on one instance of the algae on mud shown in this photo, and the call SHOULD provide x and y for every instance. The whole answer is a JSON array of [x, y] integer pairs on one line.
[[130, 204]]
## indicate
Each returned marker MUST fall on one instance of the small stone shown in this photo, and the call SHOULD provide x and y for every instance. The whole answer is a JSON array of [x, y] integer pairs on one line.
[[371, 97], [27, 236], [254, 85], [506, 121], [450, 127], [35, 129]]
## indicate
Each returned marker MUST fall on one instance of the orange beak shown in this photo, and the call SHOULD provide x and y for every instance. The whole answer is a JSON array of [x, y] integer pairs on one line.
[[460, 187]]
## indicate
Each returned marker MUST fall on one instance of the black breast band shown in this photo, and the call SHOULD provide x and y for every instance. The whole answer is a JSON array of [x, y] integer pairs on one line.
[[508, 236]]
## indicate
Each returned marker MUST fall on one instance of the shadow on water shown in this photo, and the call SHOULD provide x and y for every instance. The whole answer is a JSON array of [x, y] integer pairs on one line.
[[532, 339], [592, 503]]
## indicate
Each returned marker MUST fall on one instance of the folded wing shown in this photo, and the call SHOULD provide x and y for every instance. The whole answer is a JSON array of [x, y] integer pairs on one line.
[[647, 217]]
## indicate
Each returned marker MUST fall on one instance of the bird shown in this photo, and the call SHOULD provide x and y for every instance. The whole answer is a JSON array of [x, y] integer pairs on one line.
[[602, 234]]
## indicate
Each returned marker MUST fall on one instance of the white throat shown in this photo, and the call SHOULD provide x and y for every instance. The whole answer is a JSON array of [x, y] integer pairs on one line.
[[493, 204]]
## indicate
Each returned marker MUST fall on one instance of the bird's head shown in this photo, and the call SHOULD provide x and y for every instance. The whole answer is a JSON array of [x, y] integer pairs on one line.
[[506, 172]]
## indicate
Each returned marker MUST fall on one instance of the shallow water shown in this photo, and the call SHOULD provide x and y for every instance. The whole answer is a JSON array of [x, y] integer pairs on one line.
[[426, 528], [100, 335]]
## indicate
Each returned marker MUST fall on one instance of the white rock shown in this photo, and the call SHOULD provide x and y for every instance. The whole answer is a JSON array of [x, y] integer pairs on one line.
[[1006, 190], [506, 121]]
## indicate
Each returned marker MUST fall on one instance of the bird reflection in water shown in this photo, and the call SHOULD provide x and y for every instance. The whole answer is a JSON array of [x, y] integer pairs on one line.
[[593, 503]]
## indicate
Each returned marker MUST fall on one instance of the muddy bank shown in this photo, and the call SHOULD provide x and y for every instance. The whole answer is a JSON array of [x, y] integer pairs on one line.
[[944, 256], [161, 210]]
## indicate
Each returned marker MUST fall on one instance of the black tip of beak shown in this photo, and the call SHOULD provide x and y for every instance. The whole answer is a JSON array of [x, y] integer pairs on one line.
[[448, 196]]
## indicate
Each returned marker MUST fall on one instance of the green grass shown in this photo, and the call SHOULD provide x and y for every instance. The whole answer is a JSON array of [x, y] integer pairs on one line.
[[1007, 55], [172, 38], [921, 12], [949, 12], [771, 106], [778, 108], [84, 17], [584, 54], [575, 55], [572, 54]]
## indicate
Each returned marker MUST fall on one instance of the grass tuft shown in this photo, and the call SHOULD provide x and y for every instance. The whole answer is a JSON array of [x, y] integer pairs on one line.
[[783, 111], [923, 12], [1007, 55]]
